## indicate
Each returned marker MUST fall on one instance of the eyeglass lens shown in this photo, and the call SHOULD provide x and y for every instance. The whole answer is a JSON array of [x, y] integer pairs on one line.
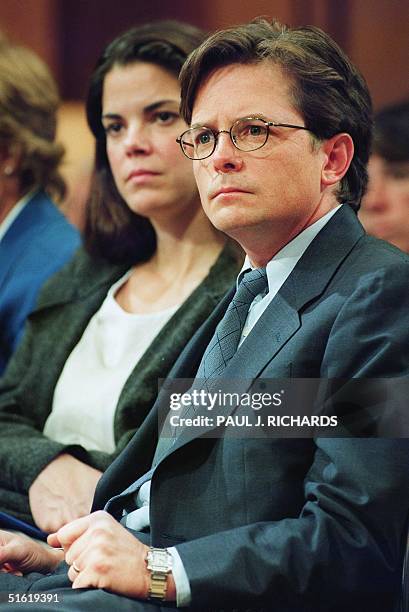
[[246, 134]]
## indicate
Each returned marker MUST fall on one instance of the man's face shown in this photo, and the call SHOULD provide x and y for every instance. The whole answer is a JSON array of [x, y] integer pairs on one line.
[[267, 195], [385, 207]]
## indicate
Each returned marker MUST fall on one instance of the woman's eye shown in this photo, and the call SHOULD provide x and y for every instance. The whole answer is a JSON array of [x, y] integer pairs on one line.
[[165, 117], [113, 128]]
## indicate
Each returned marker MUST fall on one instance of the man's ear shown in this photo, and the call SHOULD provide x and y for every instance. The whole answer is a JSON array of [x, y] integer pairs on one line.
[[339, 152]]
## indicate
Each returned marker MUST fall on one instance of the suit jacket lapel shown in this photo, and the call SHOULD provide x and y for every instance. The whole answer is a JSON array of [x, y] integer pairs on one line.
[[188, 362], [307, 282]]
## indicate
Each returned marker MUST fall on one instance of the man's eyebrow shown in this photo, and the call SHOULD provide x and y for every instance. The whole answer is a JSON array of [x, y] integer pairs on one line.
[[258, 116], [254, 115]]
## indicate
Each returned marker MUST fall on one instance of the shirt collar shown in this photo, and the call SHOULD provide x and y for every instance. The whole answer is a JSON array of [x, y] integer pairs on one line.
[[291, 252]]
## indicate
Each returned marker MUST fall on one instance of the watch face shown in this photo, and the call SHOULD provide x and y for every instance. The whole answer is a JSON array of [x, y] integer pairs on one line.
[[159, 560]]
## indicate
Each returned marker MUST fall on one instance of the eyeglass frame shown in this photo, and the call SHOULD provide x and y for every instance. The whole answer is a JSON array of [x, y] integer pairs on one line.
[[268, 125]]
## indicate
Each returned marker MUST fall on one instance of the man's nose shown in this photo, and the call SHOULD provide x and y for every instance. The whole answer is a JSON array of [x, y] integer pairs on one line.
[[226, 157]]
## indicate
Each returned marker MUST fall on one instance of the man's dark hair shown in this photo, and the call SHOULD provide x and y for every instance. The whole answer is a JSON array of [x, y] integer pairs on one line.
[[391, 133], [327, 89], [112, 230]]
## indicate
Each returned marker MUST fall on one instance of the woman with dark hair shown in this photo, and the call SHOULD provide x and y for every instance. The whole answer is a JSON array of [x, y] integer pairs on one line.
[[35, 237], [114, 321]]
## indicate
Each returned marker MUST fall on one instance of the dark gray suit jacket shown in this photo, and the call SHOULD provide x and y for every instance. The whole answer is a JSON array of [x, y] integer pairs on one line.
[[302, 524]]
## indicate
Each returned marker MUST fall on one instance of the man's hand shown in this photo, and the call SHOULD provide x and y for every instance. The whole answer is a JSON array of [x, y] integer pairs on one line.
[[62, 492], [106, 555], [20, 555]]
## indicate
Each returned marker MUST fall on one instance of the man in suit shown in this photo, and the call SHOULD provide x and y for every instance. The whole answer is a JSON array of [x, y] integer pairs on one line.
[[280, 137]]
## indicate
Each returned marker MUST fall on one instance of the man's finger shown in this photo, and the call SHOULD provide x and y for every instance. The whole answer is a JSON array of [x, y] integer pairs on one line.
[[72, 574], [52, 540], [66, 535], [84, 580]]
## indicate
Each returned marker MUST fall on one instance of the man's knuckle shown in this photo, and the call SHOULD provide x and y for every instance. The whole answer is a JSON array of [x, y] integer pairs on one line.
[[99, 534], [102, 567], [101, 515]]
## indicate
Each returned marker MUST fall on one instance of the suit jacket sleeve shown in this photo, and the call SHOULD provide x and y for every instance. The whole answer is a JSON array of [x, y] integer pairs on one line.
[[25, 451]]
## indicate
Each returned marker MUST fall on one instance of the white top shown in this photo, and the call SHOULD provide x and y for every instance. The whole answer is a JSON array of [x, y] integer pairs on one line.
[[87, 392], [14, 213]]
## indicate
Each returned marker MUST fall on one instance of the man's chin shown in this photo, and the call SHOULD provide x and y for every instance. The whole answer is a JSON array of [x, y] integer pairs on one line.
[[231, 220], [231, 227]]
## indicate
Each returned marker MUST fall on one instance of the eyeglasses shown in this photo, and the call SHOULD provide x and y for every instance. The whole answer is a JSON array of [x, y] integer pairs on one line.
[[247, 134]]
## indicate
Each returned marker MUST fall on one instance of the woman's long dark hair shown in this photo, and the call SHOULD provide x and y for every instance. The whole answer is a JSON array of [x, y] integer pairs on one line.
[[112, 230]]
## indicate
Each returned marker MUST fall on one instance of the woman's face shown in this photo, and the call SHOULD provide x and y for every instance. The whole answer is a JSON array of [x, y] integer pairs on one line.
[[140, 115]]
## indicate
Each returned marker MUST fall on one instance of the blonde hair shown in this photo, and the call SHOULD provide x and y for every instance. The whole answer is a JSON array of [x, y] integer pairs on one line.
[[29, 102]]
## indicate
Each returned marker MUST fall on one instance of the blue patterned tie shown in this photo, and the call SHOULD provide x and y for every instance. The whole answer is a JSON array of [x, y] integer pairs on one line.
[[227, 336], [224, 343]]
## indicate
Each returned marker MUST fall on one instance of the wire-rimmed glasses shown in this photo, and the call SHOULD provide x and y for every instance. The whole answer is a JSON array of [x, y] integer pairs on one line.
[[247, 134]]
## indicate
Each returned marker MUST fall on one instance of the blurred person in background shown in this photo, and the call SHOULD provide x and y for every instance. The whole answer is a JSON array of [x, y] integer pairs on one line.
[[117, 317], [35, 238], [385, 208]]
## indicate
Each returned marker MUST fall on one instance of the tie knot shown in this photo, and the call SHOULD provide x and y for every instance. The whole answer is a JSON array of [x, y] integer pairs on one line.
[[252, 284], [226, 338]]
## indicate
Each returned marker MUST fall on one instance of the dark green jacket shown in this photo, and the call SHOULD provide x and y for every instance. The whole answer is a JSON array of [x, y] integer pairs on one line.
[[65, 307]]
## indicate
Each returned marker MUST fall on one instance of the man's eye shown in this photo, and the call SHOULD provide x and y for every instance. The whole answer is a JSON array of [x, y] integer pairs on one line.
[[254, 130], [203, 138]]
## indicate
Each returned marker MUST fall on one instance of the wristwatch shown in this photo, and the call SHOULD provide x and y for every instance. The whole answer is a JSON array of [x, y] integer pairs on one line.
[[159, 563]]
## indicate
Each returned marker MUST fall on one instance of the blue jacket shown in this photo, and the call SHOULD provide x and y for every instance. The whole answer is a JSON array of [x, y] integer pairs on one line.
[[36, 245]]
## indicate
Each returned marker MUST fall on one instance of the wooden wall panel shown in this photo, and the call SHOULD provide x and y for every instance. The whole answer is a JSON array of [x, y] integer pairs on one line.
[[229, 12], [86, 26], [378, 44], [69, 34], [33, 23]]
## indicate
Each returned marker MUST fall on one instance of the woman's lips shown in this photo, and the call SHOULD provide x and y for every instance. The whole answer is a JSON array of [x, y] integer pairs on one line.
[[141, 176]]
